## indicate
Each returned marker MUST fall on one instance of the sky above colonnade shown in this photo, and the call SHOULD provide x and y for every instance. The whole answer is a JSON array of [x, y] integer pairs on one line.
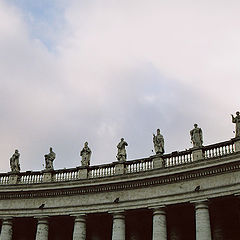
[[98, 70]]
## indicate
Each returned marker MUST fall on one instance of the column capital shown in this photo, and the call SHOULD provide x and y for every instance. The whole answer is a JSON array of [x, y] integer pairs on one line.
[[200, 202], [42, 219], [79, 217], [118, 214], [159, 210], [7, 221]]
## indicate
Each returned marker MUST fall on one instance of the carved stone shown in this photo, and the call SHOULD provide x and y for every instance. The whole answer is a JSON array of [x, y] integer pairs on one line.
[[83, 173], [158, 142], [119, 168], [158, 162], [14, 162], [196, 136], [49, 158], [7, 229], [122, 154], [197, 154], [86, 155], [236, 120]]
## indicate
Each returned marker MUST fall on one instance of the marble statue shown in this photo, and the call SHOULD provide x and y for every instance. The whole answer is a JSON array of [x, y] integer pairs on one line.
[[14, 162], [85, 154], [122, 154], [236, 120], [49, 158], [196, 136], [158, 142]]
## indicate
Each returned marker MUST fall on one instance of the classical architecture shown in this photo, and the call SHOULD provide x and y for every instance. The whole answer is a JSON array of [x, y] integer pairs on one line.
[[193, 194]]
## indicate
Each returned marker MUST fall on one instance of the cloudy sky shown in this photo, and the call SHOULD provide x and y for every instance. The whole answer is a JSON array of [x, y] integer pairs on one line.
[[73, 71]]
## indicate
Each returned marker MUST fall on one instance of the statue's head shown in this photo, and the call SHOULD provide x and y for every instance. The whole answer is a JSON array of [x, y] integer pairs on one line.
[[237, 113], [86, 144], [16, 151], [50, 149], [195, 125], [122, 139], [158, 130]]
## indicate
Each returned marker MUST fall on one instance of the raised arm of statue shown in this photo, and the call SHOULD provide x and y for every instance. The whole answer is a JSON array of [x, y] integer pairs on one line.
[[233, 119]]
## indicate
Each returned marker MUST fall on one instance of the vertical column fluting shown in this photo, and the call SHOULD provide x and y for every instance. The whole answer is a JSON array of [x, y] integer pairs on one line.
[[79, 232], [7, 226], [159, 224], [42, 229], [118, 227], [203, 228]]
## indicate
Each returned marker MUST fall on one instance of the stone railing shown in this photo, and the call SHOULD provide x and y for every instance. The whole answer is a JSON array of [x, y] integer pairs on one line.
[[128, 167], [177, 158], [219, 149]]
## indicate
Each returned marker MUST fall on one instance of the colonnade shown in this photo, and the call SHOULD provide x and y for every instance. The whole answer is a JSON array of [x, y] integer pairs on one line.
[[159, 225]]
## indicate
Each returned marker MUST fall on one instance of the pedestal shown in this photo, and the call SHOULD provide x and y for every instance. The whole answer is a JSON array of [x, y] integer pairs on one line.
[[83, 173], [119, 168], [158, 162], [197, 154]]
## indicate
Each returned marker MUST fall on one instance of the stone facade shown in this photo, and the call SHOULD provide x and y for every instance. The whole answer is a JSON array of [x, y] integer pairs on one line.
[[176, 196]]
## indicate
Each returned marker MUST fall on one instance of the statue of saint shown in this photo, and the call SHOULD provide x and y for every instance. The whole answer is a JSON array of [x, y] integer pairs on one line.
[[236, 120], [85, 154], [122, 154], [14, 162], [196, 136], [49, 158], [158, 142]]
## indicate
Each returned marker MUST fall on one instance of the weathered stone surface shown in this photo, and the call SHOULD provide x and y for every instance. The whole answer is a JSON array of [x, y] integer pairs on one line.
[[14, 162], [86, 155], [49, 158], [159, 224], [158, 142], [122, 154], [42, 229], [236, 120], [197, 154], [6, 233], [196, 136], [118, 229], [203, 227], [79, 232]]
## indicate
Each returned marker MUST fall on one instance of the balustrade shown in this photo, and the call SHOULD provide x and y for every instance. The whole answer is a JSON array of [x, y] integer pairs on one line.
[[219, 149], [102, 171], [178, 158], [107, 170], [139, 165]]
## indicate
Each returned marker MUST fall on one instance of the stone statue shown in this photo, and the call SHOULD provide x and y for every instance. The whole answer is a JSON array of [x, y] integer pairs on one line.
[[158, 142], [85, 154], [122, 154], [236, 120], [49, 158], [196, 136], [14, 162]]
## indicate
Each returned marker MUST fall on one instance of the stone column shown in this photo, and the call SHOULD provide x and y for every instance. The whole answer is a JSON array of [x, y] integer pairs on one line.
[[6, 233], [159, 224], [79, 232], [118, 227], [203, 228], [42, 229]]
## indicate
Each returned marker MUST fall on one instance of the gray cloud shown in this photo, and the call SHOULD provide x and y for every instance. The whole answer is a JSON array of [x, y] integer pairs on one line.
[[119, 70]]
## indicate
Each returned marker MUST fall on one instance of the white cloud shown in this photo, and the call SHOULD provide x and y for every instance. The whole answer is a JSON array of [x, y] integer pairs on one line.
[[120, 69]]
